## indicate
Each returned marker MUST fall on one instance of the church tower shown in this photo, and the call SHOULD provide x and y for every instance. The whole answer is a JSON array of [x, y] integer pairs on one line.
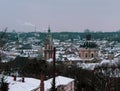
[[49, 46], [17, 43], [89, 49]]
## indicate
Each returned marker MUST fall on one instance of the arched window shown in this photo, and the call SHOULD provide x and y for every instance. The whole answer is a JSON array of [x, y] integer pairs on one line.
[[92, 55], [86, 55]]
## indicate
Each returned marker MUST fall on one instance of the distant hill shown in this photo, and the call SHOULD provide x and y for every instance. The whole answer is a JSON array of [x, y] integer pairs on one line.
[[110, 36]]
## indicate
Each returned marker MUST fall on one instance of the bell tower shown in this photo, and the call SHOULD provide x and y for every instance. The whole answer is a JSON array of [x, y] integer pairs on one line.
[[49, 45], [88, 49]]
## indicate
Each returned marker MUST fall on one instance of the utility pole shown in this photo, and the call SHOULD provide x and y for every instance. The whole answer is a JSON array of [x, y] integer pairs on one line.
[[54, 69], [42, 82]]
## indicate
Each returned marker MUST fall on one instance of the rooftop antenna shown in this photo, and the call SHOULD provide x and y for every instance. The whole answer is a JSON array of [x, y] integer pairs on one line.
[[53, 88]]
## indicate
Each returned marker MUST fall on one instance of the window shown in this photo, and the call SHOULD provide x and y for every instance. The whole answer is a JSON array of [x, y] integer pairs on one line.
[[92, 55], [86, 55]]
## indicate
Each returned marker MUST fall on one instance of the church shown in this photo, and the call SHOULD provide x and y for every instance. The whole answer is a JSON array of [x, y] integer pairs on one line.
[[49, 46], [88, 51]]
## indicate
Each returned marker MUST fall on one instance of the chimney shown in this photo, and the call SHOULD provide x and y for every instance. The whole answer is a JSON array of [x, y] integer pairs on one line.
[[23, 79], [42, 82], [14, 77]]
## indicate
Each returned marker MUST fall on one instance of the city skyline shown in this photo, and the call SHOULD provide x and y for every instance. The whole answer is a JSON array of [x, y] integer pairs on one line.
[[60, 15]]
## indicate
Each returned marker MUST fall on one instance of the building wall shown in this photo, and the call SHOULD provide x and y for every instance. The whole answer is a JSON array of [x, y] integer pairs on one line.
[[49, 52], [88, 53], [68, 87]]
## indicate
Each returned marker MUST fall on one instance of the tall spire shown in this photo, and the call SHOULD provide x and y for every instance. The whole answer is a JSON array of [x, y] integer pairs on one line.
[[49, 36]]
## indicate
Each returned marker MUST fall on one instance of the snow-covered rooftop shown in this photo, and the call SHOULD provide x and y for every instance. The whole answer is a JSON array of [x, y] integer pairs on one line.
[[74, 58], [60, 80], [88, 66], [18, 85], [30, 83]]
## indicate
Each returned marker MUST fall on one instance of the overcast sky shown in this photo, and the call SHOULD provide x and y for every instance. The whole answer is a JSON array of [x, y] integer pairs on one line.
[[61, 15]]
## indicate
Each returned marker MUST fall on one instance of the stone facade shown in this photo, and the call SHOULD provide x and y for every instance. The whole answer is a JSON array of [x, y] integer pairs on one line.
[[88, 53]]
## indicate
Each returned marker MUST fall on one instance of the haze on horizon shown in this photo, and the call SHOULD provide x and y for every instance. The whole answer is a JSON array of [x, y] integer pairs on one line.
[[61, 15]]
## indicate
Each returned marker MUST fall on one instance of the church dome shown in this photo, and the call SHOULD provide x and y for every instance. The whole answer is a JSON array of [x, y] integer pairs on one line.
[[89, 44]]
